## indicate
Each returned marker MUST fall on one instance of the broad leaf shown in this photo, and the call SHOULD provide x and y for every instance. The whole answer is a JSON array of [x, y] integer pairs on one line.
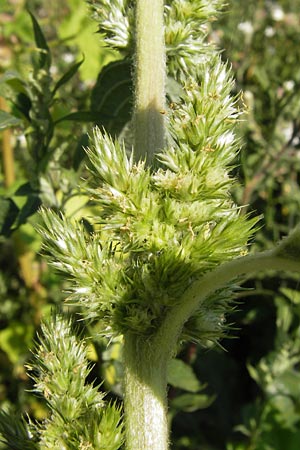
[[192, 402], [14, 81], [7, 120], [181, 375], [112, 96]]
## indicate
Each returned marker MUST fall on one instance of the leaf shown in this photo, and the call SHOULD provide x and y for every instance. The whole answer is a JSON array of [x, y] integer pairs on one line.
[[291, 294], [14, 81], [7, 120], [23, 105], [41, 43], [24, 190], [79, 153], [32, 204], [112, 96], [181, 375], [192, 402], [67, 76], [260, 75], [80, 116], [8, 214], [254, 373], [174, 90]]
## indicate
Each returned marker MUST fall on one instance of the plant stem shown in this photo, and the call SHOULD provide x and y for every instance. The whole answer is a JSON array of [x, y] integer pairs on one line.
[[150, 70], [7, 152], [167, 337], [145, 395], [145, 382]]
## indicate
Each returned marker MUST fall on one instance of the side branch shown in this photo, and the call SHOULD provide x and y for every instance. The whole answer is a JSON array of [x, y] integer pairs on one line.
[[171, 328]]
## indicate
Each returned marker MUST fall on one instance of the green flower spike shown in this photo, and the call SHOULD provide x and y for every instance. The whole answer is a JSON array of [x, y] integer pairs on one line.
[[168, 242]]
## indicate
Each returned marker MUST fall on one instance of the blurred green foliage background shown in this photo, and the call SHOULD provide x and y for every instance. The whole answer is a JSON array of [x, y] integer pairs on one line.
[[246, 397]]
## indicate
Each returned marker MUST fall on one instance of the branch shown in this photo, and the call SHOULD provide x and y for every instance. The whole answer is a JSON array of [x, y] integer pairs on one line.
[[285, 257]]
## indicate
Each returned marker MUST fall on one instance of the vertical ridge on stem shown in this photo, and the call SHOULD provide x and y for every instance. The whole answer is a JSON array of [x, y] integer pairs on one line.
[[145, 387], [150, 70]]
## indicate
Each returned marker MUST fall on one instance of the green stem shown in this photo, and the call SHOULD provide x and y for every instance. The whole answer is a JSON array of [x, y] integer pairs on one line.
[[145, 400], [145, 361], [145, 382], [167, 337], [149, 123]]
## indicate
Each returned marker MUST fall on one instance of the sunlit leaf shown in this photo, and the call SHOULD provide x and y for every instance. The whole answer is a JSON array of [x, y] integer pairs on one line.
[[181, 375], [7, 120], [192, 402], [67, 76], [14, 81]]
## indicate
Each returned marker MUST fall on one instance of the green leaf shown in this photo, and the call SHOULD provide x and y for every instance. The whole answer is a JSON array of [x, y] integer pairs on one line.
[[41, 43], [67, 76], [174, 90], [112, 96], [253, 373], [23, 105], [291, 294], [7, 120], [80, 116], [25, 189], [32, 204], [192, 402], [8, 214], [14, 81], [181, 375], [79, 153]]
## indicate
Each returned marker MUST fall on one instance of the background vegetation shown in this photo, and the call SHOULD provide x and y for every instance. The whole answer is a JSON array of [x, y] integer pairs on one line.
[[247, 397]]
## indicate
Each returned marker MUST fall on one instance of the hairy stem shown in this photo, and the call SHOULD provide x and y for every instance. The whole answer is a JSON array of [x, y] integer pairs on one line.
[[145, 395], [149, 123], [145, 382], [167, 337]]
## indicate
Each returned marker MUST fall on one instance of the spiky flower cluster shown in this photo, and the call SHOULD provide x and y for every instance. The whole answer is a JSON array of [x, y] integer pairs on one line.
[[157, 230], [116, 22], [79, 418], [185, 29]]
